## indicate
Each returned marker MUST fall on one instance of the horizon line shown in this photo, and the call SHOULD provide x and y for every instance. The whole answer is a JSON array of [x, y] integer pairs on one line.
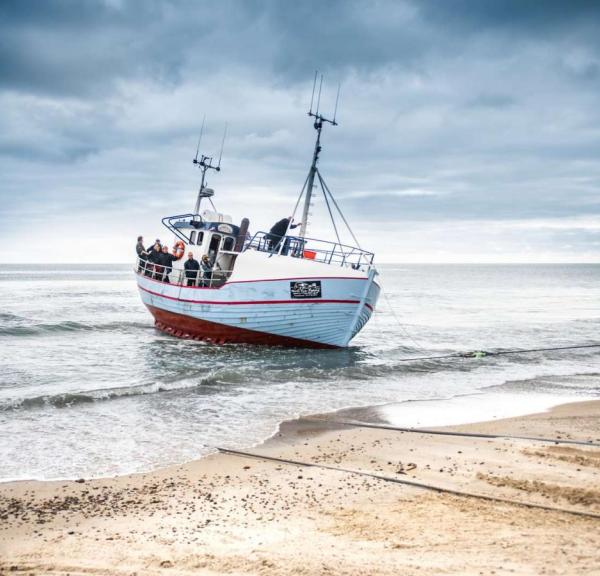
[[402, 262]]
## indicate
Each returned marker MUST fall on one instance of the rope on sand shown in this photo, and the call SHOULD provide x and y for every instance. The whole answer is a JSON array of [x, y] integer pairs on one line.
[[449, 433], [412, 483]]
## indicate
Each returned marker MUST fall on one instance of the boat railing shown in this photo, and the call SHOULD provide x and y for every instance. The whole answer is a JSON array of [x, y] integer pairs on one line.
[[324, 251], [171, 222], [179, 277]]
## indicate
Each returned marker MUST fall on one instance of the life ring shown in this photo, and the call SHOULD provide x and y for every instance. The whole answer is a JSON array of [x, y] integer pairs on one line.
[[179, 249]]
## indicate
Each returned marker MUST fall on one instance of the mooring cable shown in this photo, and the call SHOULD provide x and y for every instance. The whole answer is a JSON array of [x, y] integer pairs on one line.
[[358, 424], [485, 353], [412, 483], [400, 325], [475, 353]]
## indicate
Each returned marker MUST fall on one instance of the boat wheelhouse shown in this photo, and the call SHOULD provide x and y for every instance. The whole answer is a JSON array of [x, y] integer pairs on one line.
[[263, 289]]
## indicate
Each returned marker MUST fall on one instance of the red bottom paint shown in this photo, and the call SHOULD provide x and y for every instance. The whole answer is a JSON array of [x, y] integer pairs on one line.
[[195, 329]]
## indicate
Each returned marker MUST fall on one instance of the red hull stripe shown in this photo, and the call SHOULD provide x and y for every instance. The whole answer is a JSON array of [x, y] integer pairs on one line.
[[195, 329], [266, 280], [242, 302]]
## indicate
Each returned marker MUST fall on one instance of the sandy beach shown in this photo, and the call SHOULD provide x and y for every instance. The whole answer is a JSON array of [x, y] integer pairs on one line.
[[238, 515]]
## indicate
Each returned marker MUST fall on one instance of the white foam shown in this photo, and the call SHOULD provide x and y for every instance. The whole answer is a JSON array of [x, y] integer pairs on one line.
[[471, 408]]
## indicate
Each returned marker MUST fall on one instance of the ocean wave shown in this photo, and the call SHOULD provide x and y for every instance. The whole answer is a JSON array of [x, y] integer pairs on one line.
[[22, 329], [210, 382], [588, 382], [278, 368], [10, 317], [230, 380]]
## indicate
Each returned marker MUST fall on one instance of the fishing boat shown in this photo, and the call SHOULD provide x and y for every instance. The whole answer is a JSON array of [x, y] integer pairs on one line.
[[285, 289]]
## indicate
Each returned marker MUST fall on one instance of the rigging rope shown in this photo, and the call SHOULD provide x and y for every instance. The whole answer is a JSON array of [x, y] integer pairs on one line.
[[330, 212], [326, 190], [297, 203]]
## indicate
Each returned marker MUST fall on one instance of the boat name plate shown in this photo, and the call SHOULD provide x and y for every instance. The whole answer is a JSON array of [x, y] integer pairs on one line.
[[299, 290]]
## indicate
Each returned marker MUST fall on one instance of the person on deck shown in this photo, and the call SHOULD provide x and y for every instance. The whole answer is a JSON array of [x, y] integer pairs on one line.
[[153, 267], [207, 270], [142, 253], [192, 267], [166, 260], [278, 231]]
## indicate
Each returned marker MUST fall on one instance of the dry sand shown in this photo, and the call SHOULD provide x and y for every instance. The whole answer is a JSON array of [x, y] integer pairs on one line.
[[234, 515]]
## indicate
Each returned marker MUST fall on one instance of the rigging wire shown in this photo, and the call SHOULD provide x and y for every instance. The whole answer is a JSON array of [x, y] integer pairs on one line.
[[330, 212], [297, 203], [327, 190]]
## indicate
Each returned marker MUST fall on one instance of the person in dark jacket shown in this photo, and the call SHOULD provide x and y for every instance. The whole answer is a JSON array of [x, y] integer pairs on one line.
[[166, 260], [142, 253], [154, 252], [207, 270], [139, 248], [153, 268], [192, 266], [278, 231]]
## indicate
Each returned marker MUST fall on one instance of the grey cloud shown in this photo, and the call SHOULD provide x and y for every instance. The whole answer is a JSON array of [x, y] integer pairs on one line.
[[528, 16], [84, 48], [492, 101], [450, 111]]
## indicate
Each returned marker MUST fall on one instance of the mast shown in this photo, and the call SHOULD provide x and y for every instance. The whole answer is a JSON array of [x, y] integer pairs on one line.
[[311, 179], [318, 126]]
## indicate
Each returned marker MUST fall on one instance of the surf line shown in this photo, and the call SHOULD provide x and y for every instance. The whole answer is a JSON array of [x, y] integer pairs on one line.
[[412, 483], [358, 424]]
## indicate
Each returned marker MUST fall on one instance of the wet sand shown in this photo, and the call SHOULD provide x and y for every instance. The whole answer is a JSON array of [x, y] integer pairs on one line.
[[236, 515]]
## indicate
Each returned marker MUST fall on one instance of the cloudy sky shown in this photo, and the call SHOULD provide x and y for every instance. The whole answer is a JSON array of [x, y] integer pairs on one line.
[[469, 131]]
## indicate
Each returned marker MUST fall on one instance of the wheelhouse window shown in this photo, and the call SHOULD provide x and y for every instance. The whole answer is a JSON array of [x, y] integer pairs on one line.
[[213, 247], [193, 237], [228, 244], [200, 238]]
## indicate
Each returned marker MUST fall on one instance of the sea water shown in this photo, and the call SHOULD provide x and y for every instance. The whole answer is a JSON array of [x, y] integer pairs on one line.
[[88, 387]]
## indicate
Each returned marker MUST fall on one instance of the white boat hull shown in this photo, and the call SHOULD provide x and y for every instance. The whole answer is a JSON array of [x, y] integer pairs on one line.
[[265, 311]]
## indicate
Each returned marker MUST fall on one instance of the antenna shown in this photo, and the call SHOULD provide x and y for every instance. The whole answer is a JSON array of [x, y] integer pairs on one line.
[[200, 139], [319, 97], [222, 144], [319, 118], [205, 164], [313, 92], [337, 99]]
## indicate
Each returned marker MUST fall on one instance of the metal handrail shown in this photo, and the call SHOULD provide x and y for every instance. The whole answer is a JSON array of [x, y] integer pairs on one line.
[[311, 248], [181, 277], [168, 222]]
